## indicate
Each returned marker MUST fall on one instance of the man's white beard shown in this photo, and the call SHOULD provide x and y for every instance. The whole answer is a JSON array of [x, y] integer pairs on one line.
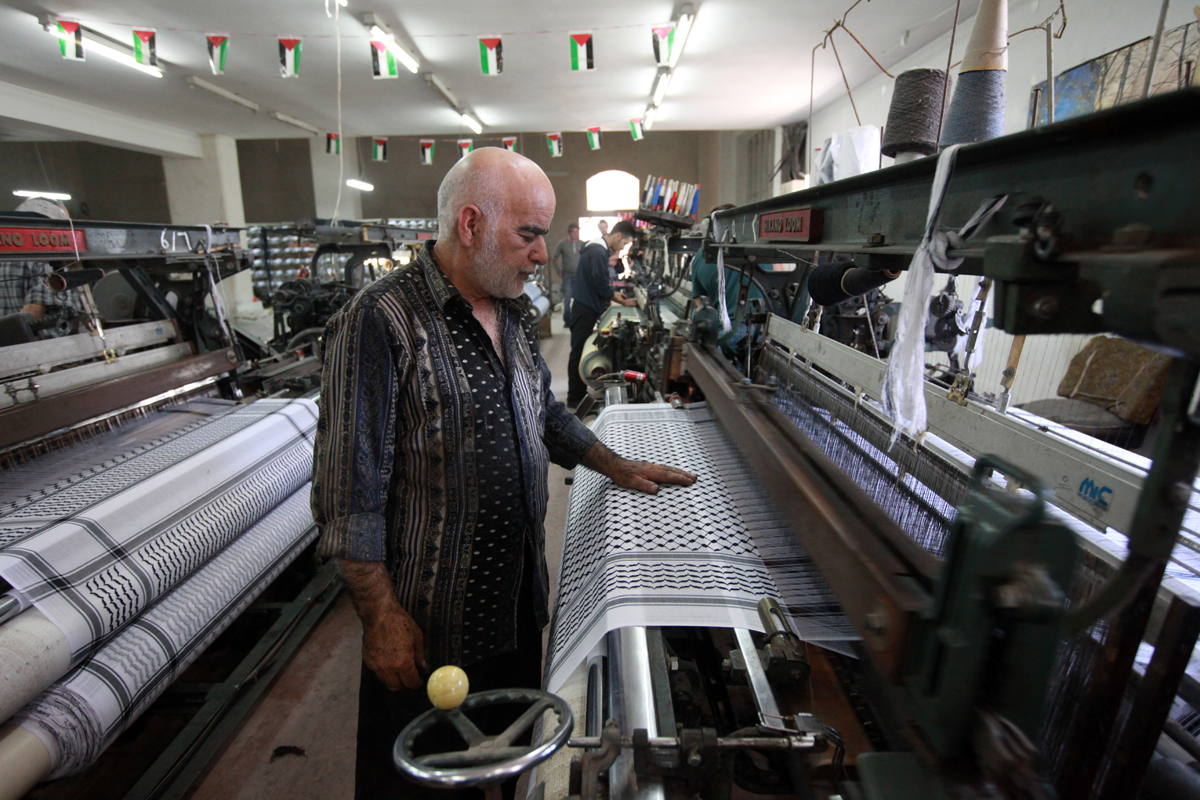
[[494, 277]]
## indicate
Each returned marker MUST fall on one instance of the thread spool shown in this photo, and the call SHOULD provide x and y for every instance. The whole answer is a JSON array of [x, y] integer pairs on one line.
[[912, 121], [977, 108]]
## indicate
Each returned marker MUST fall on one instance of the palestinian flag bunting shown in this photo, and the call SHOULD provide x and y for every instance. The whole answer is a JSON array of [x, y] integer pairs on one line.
[[491, 55], [427, 152], [218, 50], [383, 63], [554, 142], [664, 41], [635, 128], [510, 143], [333, 144], [581, 51], [289, 56], [379, 148], [594, 138], [464, 146], [144, 50], [70, 40]]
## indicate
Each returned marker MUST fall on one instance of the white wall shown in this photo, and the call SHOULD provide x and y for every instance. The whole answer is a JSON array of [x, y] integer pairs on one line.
[[325, 178], [1094, 27]]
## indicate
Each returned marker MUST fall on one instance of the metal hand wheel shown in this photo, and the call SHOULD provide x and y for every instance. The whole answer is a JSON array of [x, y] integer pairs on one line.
[[488, 760]]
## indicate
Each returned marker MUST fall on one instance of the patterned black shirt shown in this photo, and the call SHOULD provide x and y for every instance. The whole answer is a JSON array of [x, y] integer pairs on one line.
[[489, 613], [397, 469]]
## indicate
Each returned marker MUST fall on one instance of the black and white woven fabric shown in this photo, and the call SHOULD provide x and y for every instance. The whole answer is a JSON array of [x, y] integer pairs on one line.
[[92, 551], [78, 717], [702, 555]]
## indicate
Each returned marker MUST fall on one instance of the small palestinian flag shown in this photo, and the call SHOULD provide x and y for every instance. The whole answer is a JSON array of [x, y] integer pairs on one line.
[[464, 146], [581, 51], [70, 40], [218, 50], [491, 55], [379, 148], [554, 142], [427, 152], [635, 128], [289, 56], [383, 63], [664, 42], [144, 51], [510, 143], [594, 138], [333, 144]]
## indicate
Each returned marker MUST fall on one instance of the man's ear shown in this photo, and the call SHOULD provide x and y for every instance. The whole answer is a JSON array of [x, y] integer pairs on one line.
[[470, 221]]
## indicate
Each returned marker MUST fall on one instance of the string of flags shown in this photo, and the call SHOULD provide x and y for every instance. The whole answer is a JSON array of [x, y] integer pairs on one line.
[[670, 196], [379, 145], [581, 50]]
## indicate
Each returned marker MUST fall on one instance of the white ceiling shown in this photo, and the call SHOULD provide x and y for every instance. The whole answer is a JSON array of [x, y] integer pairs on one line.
[[746, 64]]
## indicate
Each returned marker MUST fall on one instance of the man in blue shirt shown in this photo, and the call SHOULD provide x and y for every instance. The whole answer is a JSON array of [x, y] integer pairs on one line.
[[591, 293]]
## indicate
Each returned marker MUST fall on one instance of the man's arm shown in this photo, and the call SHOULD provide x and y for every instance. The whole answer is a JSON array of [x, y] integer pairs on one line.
[[641, 475], [353, 462]]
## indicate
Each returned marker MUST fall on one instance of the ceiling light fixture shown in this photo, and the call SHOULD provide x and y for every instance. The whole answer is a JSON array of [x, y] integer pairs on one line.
[[648, 118], [660, 88], [472, 123], [380, 32], [360, 185], [92, 45], [299, 123], [683, 26], [46, 195], [447, 95], [200, 83]]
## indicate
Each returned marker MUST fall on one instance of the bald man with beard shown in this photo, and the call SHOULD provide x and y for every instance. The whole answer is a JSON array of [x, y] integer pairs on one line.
[[430, 471]]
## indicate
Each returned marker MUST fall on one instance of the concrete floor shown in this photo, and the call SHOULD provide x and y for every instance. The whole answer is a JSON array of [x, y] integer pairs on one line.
[[313, 704]]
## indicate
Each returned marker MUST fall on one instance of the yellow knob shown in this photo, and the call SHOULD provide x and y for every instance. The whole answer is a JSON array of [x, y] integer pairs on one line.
[[447, 687]]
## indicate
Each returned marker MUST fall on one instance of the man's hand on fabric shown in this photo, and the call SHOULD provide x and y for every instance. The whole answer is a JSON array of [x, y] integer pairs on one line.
[[393, 644], [640, 475]]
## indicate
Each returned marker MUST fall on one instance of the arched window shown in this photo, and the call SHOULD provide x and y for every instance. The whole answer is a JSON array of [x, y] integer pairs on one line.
[[613, 190]]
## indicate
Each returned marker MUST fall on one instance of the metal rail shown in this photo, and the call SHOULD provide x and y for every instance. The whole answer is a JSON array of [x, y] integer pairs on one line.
[[25, 239]]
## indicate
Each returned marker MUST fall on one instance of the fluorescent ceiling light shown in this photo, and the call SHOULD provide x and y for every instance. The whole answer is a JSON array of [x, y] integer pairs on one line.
[[299, 123], [406, 58], [436, 83], [200, 83], [648, 118], [361, 185], [660, 88], [90, 45], [682, 28], [472, 123], [47, 195]]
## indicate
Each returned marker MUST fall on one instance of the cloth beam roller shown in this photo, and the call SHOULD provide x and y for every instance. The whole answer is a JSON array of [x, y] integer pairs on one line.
[[93, 551], [78, 717]]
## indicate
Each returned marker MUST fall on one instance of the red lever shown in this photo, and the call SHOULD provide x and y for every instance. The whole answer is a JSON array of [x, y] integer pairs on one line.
[[634, 377]]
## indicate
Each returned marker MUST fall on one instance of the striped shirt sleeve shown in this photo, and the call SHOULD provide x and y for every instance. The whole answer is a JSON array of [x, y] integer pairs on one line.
[[565, 437], [355, 444]]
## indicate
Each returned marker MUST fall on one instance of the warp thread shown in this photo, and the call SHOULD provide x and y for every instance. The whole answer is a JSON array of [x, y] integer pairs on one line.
[[977, 108], [726, 325], [912, 121]]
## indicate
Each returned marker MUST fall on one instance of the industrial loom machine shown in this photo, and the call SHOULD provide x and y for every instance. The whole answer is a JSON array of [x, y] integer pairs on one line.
[[996, 606]]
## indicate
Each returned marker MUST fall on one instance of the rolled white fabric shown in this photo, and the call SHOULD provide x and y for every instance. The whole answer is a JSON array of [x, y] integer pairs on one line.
[[95, 550], [78, 717]]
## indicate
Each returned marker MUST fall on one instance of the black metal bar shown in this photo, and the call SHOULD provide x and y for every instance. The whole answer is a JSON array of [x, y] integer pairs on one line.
[[103, 240], [1152, 705], [26, 421], [1090, 168], [187, 757], [1161, 507]]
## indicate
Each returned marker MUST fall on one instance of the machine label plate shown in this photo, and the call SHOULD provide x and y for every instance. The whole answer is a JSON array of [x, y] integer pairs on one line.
[[40, 240], [797, 225]]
